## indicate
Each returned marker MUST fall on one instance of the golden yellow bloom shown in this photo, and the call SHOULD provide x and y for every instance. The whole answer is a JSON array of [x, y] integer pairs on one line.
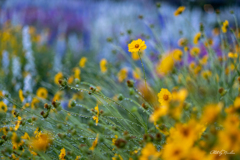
[[42, 93], [204, 60], [177, 54], [41, 142], [122, 74], [196, 154], [20, 92], [25, 136], [232, 55], [70, 80], [94, 144], [166, 65], [211, 112], [197, 38], [137, 73], [34, 101], [78, 158], [236, 103], [103, 65], [164, 97], [179, 10], [114, 139], [82, 62], [180, 96], [95, 118], [15, 141], [195, 51], [174, 151], [3, 107], [137, 45], [149, 152], [77, 73], [58, 96], [62, 154], [159, 112], [57, 77], [135, 55], [225, 26], [18, 123]]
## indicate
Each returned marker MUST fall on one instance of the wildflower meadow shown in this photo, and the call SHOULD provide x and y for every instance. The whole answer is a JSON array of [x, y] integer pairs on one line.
[[119, 80]]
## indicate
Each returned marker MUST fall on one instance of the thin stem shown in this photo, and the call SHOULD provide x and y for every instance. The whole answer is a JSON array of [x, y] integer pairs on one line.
[[143, 70]]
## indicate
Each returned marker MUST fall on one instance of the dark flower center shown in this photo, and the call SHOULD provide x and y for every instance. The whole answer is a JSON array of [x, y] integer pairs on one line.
[[165, 97], [137, 45]]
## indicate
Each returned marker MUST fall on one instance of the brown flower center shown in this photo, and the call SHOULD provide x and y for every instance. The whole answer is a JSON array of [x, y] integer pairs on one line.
[[137, 45], [165, 97]]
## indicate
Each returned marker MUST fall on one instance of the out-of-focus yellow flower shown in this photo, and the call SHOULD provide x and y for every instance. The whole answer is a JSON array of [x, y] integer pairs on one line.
[[62, 154], [137, 73], [166, 65], [164, 97], [1, 93], [179, 11], [211, 112], [18, 123], [206, 74], [25, 136], [82, 62], [3, 107], [236, 103], [42, 93], [135, 55], [77, 73], [232, 55], [182, 42], [41, 141], [103, 65], [225, 26], [204, 60], [57, 77], [114, 139], [177, 54], [137, 45], [149, 152], [197, 38], [70, 80], [208, 42], [34, 102], [122, 74], [195, 51], [16, 141], [117, 157], [78, 158], [95, 118], [159, 112], [215, 31], [20, 92], [94, 144], [58, 96], [180, 96]]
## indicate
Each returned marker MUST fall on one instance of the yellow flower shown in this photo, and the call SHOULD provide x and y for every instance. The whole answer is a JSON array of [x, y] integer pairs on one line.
[[82, 62], [206, 74], [137, 73], [225, 26], [164, 97], [195, 51], [197, 38], [77, 73], [42, 93], [174, 151], [58, 96], [20, 92], [57, 77], [70, 80], [41, 141], [166, 65], [159, 112], [236, 103], [177, 54], [16, 141], [122, 74], [149, 152], [62, 154], [137, 45], [94, 144], [103, 65], [18, 123], [135, 55], [204, 60], [3, 107], [78, 158], [232, 55], [182, 42], [34, 101], [211, 112], [114, 139], [179, 10], [96, 117], [25, 136]]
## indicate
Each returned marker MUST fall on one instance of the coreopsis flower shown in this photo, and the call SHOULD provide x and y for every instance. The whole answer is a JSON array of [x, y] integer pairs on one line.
[[137, 45], [225, 26], [180, 96], [42, 93], [211, 112], [232, 55], [196, 154], [174, 151], [103, 65], [195, 51], [95, 118], [34, 102], [57, 77], [149, 152], [62, 154], [166, 65], [179, 11], [18, 123], [137, 73], [197, 38], [3, 107], [164, 97], [177, 54], [159, 112], [236, 103], [122, 74], [20, 92], [41, 141], [77, 73], [94, 144], [82, 62]]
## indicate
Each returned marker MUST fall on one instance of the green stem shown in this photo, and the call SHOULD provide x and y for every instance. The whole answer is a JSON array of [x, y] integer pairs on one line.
[[143, 70]]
